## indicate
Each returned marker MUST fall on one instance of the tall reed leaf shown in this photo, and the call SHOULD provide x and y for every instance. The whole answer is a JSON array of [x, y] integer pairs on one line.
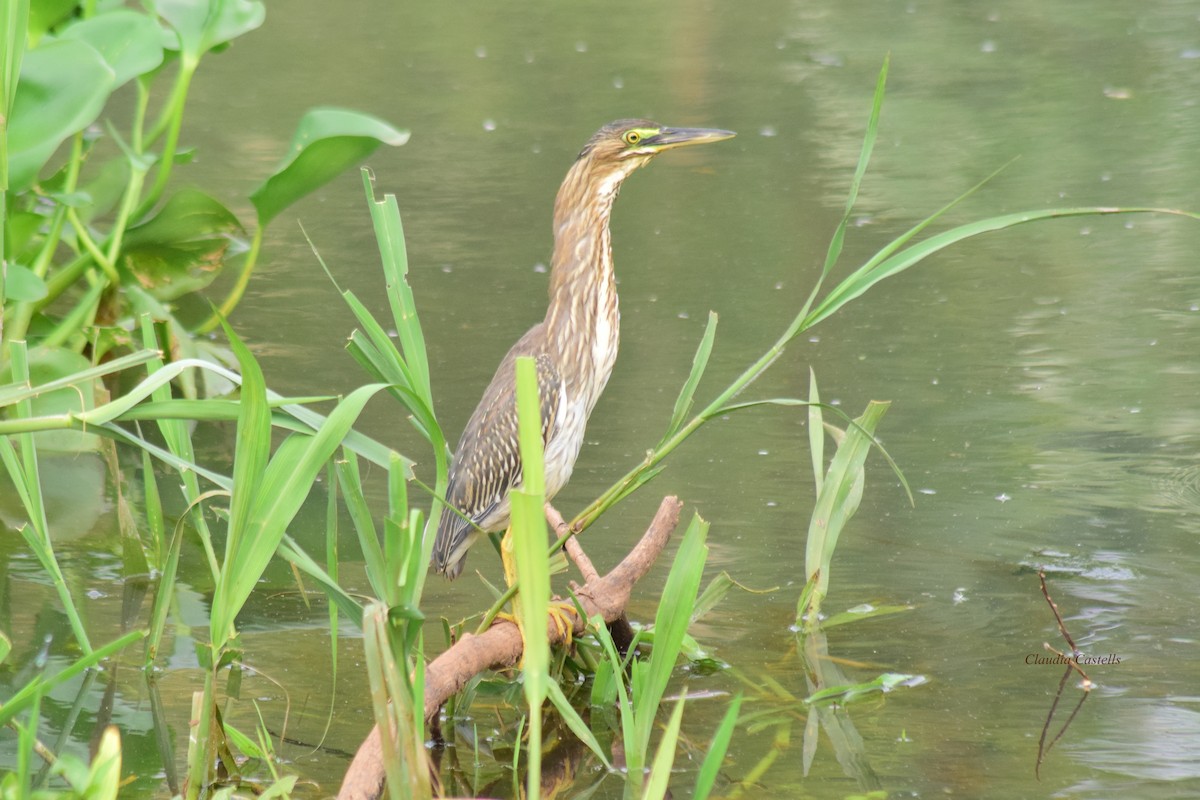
[[660, 772], [398, 710], [839, 498], [670, 625], [271, 492], [687, 393], [529, 536]]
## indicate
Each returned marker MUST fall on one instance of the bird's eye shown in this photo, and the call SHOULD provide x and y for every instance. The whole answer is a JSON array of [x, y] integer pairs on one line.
[[632, 137]]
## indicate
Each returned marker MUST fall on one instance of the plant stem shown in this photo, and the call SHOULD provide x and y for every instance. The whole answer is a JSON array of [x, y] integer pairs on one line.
[[239, 288]]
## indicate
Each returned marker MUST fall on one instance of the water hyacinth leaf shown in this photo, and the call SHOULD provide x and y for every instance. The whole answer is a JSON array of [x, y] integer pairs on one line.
[[44, 15], [63, 87], [23, 285], [205, 24], [129, 42], [326, 142], [182, 247]]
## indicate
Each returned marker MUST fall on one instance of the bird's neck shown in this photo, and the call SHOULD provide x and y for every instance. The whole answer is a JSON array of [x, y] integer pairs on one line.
[[583, 311]]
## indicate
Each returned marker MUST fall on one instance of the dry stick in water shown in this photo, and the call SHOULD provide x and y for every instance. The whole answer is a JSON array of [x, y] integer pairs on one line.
[[500, 645]]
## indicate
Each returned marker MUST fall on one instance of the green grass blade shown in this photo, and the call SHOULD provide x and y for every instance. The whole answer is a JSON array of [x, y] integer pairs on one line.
[[716, 751], [575, 722], [396, 708], [670, 624], [11, 393], [350, 482], [660, 771], [816, 431], [294, 553], [683, 404], [284, 485], [839, 497], [634, 758], [864, 278], [389, 232], [529, 537], [253, 448], [860, 170], [21, 701]]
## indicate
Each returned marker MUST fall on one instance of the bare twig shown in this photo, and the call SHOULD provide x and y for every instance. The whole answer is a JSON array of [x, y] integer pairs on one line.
[[1062, 627]]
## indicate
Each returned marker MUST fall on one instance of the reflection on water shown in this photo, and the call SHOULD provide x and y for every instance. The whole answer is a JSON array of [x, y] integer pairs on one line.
[[1044, 381]]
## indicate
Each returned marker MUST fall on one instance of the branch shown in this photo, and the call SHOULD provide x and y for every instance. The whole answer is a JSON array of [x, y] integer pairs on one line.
[[500, 645]]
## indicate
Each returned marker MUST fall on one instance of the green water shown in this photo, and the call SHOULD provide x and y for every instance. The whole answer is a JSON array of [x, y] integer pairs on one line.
[[1044, 381]]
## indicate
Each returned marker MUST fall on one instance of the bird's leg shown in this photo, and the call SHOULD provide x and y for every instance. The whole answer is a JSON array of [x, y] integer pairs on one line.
[[560, 615]]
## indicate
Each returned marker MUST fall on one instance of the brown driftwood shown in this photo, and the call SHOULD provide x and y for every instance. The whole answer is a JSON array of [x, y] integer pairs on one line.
[[500, 645]]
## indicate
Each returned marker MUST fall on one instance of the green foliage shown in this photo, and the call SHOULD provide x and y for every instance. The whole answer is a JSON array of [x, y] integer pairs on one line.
[[528, 542], [93, 231]]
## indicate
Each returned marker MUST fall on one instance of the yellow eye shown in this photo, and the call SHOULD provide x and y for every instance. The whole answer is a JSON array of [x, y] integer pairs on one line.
[[632, 137]]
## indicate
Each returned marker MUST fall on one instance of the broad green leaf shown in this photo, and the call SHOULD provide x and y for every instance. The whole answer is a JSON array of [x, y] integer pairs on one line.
[[45, 14], [326, 142], [205, 24], [129, 42], [63, 87], [182, 247], [22, 285]]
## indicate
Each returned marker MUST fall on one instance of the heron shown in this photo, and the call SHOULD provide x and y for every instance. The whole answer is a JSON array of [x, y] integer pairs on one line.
[[574, 347]]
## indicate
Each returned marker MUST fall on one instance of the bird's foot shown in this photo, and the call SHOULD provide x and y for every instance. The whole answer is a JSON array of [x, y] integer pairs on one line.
[[562, 617]]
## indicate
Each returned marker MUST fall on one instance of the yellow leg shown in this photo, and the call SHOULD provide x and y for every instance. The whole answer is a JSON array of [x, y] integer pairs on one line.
[[510, 577], [561, 615]]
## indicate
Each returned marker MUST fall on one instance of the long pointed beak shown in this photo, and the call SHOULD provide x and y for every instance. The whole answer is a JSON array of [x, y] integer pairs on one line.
[[669, 138]]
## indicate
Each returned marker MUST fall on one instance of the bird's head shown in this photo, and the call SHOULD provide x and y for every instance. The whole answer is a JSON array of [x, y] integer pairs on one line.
[[618, 149], [630, 143]]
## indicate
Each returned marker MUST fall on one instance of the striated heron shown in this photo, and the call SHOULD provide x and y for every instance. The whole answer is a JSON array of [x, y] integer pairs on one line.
[[574, 346]]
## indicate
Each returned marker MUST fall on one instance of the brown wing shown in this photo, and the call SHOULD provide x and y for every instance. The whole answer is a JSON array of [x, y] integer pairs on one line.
[[487, 462]]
